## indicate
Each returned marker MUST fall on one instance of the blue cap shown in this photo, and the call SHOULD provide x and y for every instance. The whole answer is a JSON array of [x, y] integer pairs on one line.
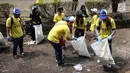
[[103, 14], [16, 11]]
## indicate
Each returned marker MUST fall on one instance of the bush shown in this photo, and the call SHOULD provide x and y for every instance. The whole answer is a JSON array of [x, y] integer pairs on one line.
[[5, 9], [98, 4], [4, 14]]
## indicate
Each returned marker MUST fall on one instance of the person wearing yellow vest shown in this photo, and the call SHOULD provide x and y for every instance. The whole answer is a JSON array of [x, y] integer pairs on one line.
[[15, 32], [105, 27], [59, 31], [35, 19], [79, 25], [39, 1], [94, 18], [84, 11], [59, 15]]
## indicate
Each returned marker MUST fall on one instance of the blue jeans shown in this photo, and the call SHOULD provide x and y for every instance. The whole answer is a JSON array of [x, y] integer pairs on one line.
[[17, 42], [58, 51]]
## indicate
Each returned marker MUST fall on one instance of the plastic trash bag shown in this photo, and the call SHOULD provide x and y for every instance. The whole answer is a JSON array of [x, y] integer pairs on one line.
[[80, 46], [38, 33], [3, 43], [102, 50]]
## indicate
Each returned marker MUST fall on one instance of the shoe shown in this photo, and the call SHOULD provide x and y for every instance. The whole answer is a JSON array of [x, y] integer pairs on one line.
[[62, 64], [22, 54], [15, 57]]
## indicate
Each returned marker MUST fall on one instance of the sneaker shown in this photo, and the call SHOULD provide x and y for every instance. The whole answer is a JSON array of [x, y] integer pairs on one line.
[[15, 57], [22, 55], [62, 64]]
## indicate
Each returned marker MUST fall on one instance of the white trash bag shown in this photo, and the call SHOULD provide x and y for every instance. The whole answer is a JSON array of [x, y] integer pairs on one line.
[[3, 43], [80, 46], [38, 33], [102, 50]]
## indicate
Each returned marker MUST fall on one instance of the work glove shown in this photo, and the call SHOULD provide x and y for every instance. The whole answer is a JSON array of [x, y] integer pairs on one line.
[[99, 38], [110, 37], [73, 37], [9, 38]]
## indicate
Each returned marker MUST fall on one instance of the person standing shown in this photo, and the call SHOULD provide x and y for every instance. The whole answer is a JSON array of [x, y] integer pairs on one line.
[[59, 15], [35, 19], [74, 5], [59, 31], [85, 12], [79, 25], [15, 32], [94, 14], [115, 5]]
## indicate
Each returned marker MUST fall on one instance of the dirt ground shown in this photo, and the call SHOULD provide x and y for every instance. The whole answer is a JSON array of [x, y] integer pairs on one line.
[[40, 58]]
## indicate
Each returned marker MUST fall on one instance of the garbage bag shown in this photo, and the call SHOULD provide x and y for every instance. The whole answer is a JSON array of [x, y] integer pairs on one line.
[[38, 33], [80, 46], [102, 50], [2, 41]]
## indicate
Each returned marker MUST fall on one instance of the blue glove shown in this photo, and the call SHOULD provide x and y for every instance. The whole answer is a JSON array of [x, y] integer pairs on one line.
[[73, 37], [9, 38], [99, 38], [110, 37]]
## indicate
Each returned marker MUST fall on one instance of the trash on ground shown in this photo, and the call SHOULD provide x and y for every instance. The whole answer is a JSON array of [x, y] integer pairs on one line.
[[78, 67], [88, 70]]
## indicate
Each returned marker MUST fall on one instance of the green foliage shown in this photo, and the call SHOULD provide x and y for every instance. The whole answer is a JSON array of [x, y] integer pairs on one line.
[[97, 4], [5, 9]]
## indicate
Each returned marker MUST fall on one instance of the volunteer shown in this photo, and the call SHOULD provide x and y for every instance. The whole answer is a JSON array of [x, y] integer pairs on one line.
[[106, 27], [15, 32], [59, 15], [60, 30], [84, 11], [94, 14], [35, 19], [79, 25]]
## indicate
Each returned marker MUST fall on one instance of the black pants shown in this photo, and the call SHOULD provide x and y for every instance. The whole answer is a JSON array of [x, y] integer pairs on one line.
[[17, 42], [79, 32], [58, 52], [74, 5], [114, 7], [110, 45], [32, 33]]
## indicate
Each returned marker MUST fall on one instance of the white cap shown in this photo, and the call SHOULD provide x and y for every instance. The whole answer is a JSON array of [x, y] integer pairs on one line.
[[70, 18], [95, 10]]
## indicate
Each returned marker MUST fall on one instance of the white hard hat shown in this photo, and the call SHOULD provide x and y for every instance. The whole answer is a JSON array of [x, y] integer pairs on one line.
[[95, 10], [70, 18]]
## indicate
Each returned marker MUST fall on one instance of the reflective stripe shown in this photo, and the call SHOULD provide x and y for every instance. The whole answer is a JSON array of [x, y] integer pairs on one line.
[[34, 22]]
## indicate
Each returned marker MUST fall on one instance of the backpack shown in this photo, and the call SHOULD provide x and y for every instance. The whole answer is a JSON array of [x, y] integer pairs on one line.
[[108, 23], [12, 21]]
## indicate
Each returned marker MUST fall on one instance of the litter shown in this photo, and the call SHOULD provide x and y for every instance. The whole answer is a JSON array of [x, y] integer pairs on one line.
[[78, 67], [80, 46]]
